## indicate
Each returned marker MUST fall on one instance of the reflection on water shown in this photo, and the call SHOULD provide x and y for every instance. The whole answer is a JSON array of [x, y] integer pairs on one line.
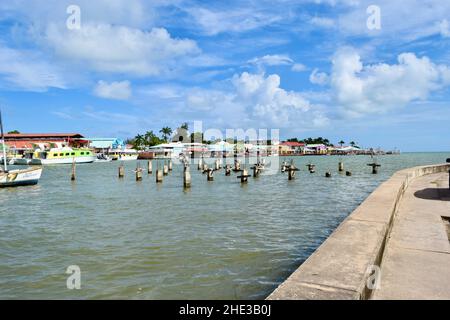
[[139, 240]]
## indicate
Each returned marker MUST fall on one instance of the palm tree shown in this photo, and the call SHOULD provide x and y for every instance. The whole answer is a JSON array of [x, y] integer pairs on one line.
[[353, 143], [166, 132], [185, 126], [139, 142], [341, 143]]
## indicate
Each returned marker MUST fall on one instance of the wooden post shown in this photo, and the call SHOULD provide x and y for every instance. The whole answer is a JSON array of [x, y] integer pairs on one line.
[[159, 176], [375, 167], [73, 177], [209, 174], [227, 170], [150, 167], [244, 176], [165, 169], [200, 164], [170, 165], [328, 174], [138, 173], [186, 178], [121, 171], [348, 173], [217, 164], [341, 166], [291, 172]]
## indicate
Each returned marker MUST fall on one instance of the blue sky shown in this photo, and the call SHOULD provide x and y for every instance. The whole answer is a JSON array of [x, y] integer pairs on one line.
[[306, 67]]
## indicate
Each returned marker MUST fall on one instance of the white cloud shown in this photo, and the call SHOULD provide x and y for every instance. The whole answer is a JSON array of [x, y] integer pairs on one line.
[[298, 67], [320, 78], [272, 60], [119, 49], [28, 71], [444, 28], [213, 22], [114, 90], [259, 101], [381, 87], [322, 22]]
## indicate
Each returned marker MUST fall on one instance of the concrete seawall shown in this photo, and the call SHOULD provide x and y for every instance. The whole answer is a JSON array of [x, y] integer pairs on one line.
[[341, 266]]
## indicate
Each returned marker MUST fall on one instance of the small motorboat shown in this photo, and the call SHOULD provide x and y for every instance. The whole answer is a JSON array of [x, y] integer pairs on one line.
[[101, 157]]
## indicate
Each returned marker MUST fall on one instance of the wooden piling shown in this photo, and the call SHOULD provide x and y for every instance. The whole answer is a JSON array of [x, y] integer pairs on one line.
[[227, 170], [170, 166], [186, 179], [341, 166], [328, 174], [149, 167], [121, 171], [138, 173], [165, 169], [73, 176], [209, 175], [348, 173], [244, 176], [159, 176]]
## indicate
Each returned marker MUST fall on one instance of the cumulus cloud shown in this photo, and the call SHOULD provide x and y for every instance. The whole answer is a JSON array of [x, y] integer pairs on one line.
[[381, 87], [257, 100], [28, 71], [114, 90], [320, 78], [119, 49]]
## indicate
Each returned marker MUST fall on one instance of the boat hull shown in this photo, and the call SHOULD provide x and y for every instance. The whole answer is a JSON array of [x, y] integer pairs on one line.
[[126, 158], [16, 178], [89, 159]]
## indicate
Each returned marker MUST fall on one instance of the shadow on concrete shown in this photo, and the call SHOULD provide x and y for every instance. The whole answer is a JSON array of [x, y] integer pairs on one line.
[[433, 194]]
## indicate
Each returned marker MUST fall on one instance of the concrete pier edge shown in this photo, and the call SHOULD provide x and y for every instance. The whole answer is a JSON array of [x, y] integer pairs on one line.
[[340, 268]]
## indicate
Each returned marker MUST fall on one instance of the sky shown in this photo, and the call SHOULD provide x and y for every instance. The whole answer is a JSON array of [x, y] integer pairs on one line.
[[373, 72]]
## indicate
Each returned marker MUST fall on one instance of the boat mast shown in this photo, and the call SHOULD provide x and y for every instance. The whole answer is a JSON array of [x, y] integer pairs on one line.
[[3, 143]]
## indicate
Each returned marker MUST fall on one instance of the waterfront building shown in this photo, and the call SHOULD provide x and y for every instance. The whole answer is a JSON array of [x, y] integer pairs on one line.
[[104, 145], [291, 148], [317, 148]]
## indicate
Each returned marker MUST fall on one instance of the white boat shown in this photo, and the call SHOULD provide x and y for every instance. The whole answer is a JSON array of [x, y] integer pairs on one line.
[[15, 178], [123, 154], [23, 177]]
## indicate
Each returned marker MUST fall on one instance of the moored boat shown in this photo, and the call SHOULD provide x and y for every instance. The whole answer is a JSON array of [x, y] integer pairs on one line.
[[62, 155], [15, 178], [123, 154]]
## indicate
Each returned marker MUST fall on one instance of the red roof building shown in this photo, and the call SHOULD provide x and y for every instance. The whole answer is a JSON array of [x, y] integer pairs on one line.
[[27, 140], [292, 144]]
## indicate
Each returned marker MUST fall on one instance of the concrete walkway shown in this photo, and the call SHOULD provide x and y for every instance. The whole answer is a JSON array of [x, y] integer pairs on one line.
[[416, 261]]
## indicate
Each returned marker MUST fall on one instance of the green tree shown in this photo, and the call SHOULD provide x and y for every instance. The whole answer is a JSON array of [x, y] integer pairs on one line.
[[341, 143], [185, 126], [14, 132], [166, 132], [353, 143], [138, 142]]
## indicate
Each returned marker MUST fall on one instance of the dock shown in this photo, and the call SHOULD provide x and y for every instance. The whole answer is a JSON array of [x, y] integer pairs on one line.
[[395, 245]]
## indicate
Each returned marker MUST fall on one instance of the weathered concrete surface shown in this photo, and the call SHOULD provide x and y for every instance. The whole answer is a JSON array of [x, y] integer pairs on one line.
[[416, 262], [341, 266]]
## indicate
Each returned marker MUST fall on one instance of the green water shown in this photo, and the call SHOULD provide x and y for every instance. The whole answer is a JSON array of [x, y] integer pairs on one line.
[[140, 240]]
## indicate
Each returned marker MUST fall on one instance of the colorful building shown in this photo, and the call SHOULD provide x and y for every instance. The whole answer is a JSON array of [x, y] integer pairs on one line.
[[290, 148]]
